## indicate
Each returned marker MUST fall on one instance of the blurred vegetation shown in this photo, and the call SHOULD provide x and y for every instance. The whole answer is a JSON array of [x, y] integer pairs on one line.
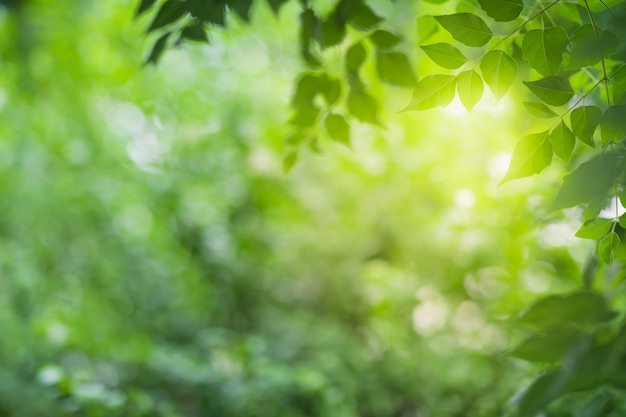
[[156, 261]]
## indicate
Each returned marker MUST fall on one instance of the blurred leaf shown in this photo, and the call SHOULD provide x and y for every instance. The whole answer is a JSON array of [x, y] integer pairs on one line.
[[539, 110], [618, 84], [355, 57], [304, 116], [532, 154], [470, 88], [384, 39], [207, 11], [588, 50], [541, 392], [333, 29], [502, 10], [584, 121], [607, 246], [143, 6], [169, 12], [395, 68], [433, 91], [242, 7], [550, 346], [466, 28], [553, 90], [445, 55], [426, 27], [499, 71], [157, 49], [363, 106], [363, 17], [562, 140], [195, 32], [290, 161], [544, 48], [613, 124], [594, 229], [338, 128]]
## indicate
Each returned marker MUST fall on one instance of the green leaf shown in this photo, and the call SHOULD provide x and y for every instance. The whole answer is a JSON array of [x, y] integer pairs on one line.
[[539, 110], [445, 55], [304, 116], [607, 246], [157, 50], [207, 11], [541, 393], [384, 39], [562, 140], [584, 120], [594, 229], [306, 89], [499, 71], [331, 89], [338, 128], [333, 30], [395, 68], [618, 84], [355, 57], [470, 88], [589, 182], [143, 6], [502, 10], [613, 124], [195, 32], [554, 90], [466, 28], [532, 154], [363, 106], [587, 49], [432, 91], [363, 17], [242, 7], [169, 12], [550, 346], [276, 5], [426, 27], [290, 161], [543, 49]]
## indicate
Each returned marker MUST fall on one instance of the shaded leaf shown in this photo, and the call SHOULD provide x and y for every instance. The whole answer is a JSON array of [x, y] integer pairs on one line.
[[384, 39], [355, 57], [338, 128], [532, 154], [618, 84], [502, 10], [550, 346], [207, 11], [539, 110], [333, 29], [157, 49], [554, 90], [607, 246], [470, 88], [395, 68], [594, 229], [304, 116], [584, 120], [562, 140], [290, 161], [364, 18], [432, 91], [466, 28], [242, 8], [587, 49], [499, 71], [363, 106], [169, 12], [589, 182], [195, 32], [613, 124], [543, 49], [541, 392], [426, 27], [143, 6], [445, 55]]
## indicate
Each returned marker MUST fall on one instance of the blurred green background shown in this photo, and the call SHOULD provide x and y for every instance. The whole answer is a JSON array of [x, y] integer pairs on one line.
[[155, 260]]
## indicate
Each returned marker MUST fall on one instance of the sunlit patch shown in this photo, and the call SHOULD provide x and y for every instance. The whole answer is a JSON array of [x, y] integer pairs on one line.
[[487, 105], [498, 165], [464, 198], [558, 234], [431, 314], [614, 209]]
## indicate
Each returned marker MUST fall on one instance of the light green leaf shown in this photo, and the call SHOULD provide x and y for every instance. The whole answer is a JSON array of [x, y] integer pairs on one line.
[[562, 140], [445, 55], [554, 90], [539, 110], [499, 71], [157, 49], [432, 91], [470, 88], [618, 84], [355, 57], [384, 39], [337, 128], [589, 182], [543, 49], [584, 120], [588, 49], [532, 154], [304, 116], [607, 246], [426, 27], [466, 28], [290, 161], [363, 106], [594, 229], [502, 10], [395, 68]]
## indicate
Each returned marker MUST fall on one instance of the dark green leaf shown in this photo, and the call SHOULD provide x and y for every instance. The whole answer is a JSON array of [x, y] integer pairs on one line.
[[588, 49], [363, 17], [195, 32], [333, 30], [445, 55], [207, 11], [276, 4], [539, 110], [613, 124], [384, 39], [584, 120], [338, 128], [532, 154], [543, 49], [618, 85], [309, 27], [169, 12], [541, 393], [502, 10], [589, 182], [143, 6], [331, 89], [594, 229], [607, 246], [499, 71], [157, 49], [466, 28], [432, 91], [395, 68], [550, 346], [562, 140], [554, 90], [363, 106], [355, 57], [470, 87], [242, 7]]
